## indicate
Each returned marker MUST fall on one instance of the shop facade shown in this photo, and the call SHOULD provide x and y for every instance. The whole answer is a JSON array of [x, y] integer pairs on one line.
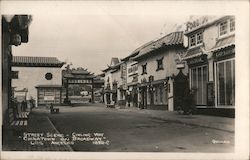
[[211, 61], [15, 31], [113, 83], [40, 77], [157, 67]]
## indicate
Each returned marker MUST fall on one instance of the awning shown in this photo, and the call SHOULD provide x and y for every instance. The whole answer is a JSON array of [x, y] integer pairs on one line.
[[195, 52], [223, 43], [143, 84], [110, 91], [158, 82]]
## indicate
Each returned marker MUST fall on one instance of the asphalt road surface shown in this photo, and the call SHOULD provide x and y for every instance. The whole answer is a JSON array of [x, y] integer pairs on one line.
[[126, 131]]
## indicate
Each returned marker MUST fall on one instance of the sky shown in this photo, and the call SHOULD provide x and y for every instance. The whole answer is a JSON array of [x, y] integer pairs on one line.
[[90, 41], [89, 34]]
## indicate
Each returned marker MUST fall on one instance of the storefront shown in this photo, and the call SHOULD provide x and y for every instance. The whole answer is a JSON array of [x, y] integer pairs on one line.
[[143, 96], [224, 60], [198, 75], [48, 94]]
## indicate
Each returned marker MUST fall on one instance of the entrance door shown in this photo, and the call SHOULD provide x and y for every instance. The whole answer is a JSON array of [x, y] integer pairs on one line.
[[199, 77], [144, 97], [180, 89]]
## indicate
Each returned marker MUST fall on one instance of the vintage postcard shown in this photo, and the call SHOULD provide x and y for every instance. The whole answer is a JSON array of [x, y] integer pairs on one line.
[[125, 80]]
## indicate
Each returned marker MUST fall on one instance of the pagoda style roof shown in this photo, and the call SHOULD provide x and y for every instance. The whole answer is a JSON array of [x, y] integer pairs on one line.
[[79, 73], [26, 61]]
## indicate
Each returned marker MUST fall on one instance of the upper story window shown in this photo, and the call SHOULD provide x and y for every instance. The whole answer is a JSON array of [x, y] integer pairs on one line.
[[48, 76], [232, 25], [199, 38], [14, 74], [192, 40], [144, 69], [133, 69], [159, 64], [226, 27], [196, 39], [223, 28]]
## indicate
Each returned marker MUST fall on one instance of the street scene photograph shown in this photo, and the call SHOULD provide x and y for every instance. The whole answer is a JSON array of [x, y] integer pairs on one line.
[[95, 80]]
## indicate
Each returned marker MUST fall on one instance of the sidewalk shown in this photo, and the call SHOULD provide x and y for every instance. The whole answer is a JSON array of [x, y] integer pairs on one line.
[[214, 122], [37, 123]]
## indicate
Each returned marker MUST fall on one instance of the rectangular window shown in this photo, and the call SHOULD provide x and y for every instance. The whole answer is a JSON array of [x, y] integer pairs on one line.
[[232, 25], [199, 83], [196, 39], [223, 28], [144, 69], [199, 38], [159, 64], [226, 83], [192, 40], [14, 74]]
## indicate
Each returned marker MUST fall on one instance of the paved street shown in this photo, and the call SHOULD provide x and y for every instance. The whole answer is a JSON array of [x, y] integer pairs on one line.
[[137, 131]]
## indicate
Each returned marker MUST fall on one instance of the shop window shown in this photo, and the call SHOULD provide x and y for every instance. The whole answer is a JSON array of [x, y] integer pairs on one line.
[[144, 69], [198, 83], [48, 76], [226, 83], [161, 93], [159, 64]]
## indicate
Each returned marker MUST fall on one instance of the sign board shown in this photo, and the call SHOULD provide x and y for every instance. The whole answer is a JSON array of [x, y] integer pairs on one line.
[[210, 93], [225, 53], [49, 98], [197, 60], [79, 81]]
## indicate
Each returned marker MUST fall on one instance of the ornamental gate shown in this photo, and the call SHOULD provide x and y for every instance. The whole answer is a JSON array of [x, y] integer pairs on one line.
[[180, 89]]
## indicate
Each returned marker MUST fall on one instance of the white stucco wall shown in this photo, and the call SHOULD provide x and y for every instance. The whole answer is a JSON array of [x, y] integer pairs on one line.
[[169, 66], [29, 77]]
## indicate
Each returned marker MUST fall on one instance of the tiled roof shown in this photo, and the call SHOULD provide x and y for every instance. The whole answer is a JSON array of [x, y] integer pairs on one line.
[[225, 42], [48, 86], [175, 38], [36, 61], [136, 52], [82, 72]]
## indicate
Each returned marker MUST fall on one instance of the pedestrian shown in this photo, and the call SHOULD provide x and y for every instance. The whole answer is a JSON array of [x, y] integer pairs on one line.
[[28, 101], [23, 105]]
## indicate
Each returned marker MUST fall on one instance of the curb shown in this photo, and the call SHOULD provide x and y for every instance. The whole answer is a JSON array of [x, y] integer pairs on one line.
[[178, 121], [193, 124], [67, 146]]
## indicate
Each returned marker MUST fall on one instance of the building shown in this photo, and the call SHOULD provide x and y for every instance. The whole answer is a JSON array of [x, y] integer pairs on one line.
[[37, 77], [131, 79], [15, 30], [211, 60], [113, 83], [157, 68]]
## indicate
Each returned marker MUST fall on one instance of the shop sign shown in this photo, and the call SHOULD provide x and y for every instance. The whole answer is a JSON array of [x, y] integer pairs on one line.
[[79, 81], [200, 59], [20, 94], [190, 25], [49, 98], [225, 53]]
